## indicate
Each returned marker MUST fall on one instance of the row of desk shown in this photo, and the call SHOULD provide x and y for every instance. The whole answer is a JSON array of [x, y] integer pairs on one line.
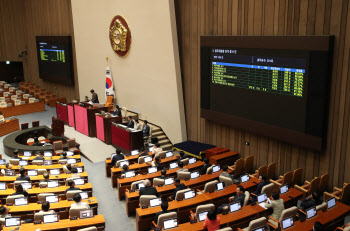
[[23, 109], [9, 126]]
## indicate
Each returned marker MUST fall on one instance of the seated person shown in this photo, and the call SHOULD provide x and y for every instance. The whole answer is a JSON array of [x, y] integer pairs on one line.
[[162, 174], [86, 99], [78, 202], [46, 176], [125, 169], [148, 189], [71, 185], [8, 166], [39, 156], [2, 118], [211, 222], [4, 213], [137, 125], [20, 191], [75, 173], [144, 152], [145, 129], [318, 226], [238, 198], [277, 205], [156, 163], [206, 165], [262, 182], [63, 156], [182, 156], [117, 111], [156, 149], [15, 155], [181, 168], [69, 167], [131, 122], [36, 142], [117, 157], [45, 208], [225, 172], [179, 186], [310, 201], [23, 176], [164, 206]]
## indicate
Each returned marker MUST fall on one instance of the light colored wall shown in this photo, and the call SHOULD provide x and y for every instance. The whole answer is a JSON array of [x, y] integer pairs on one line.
[[149, 78]]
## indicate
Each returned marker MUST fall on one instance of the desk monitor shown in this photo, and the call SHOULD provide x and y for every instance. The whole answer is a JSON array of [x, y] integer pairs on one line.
[[52, 199], [155, 202], [50, 218], [21, 201], [235, 207], [284, 189], [174, 165], [47, 162], [139, 186], [152, 170], [168, 181], [86, 214], [170, 223], [27, 153], [52, 184], [23, 163], [71, 161], [262, 198], [288, 222], [194, 175], [124, 162], [311, 212], [84, 195], [79, 181], [147, 159], [331, 203], [2, 161], [135, 152], [262, 228], [2, 185], [79, 169], [26, 185], [202, 216], [70, 153], [169, 154], [245, 178], [129, 174], [216, 168], [189, 194], [12, 221], [220, 186], [32, 172], [9, 172], [55, 171], [47, 154], [192, 160]]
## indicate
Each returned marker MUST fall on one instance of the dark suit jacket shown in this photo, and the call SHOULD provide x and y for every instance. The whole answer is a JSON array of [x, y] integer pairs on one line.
[[259, 188], [27, 178], [37, 144], [144, 154], [24, 194], [162, 177], [94, 98], [72, 188], [116, 158], [16, 157], [117, 113], [204, 169], [148, 191], [307, 203], [131, 124], [159, 166], [145, 130], [178, 188], [239, 199]]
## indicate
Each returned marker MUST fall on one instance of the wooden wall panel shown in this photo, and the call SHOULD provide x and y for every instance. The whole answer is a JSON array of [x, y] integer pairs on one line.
[[21, 21], [270, 17]]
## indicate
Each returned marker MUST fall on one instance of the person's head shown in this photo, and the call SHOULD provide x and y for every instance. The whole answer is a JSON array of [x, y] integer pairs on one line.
[[38, 153], [262, 178], [275, 196], [77, 197], [86, 98], [142, 149], [22, 171], [15, 152], [45, 206], [71, 183], [69, 167], [125, 167], [182, 154], [92, 91], [157, 145], [136, 121], [163, 172], [64, 154], [177, 181], [8, 165], [181, 164], [318, 226], [206, 160], [36, 139], [3, 210], [19, 188], [211, 214], [157, 159], [74, 170], [147, 183], [118, 151], [146, 122], [117, 107], [129, 118], [224, 168], [46, 175], [164, 205], [315, 196], [240, 190]]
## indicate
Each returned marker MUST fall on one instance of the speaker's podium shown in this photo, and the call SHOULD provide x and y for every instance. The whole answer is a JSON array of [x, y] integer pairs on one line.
[[57, 127]]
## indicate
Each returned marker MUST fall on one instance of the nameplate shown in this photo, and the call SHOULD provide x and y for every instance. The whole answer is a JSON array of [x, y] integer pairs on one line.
[[157, 229], [253, 203], [193, 221], [187, 179], [144, 207], [42, 186], [211, 191], [209, 173], [74, 218], [160, 185], [70, 199], [121, 177], [224, 212], [131, 190], [179, 199], [144, 173], [37, 222], [39, 202], [9, 204], [108, 158]]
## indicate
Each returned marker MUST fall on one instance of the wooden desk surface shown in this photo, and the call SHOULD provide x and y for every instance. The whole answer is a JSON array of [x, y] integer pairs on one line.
[[55, 158], [224, 155], [97, 220], [23, 109], [60, 166], [9, 126], [62, 176], [129, 158]]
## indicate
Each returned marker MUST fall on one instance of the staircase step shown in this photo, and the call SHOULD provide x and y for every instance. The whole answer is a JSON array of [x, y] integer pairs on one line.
[[162, 137], [164, 142], [159, 133], [167, 147]]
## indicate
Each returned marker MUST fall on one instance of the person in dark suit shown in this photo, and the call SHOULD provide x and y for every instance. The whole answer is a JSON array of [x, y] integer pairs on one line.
[[318, 226], [179, 186], [117, 111], [205, 167], [125, 168], [23, 176], [145, 129], [144, 152], [262, 183], [148, 189], [131, 122], [86, 99], [310, 201], [71, 185], [182, 156], [46, 176], [15, 155], [164, 207], [20, 191], [117, 157], [39, 156], [162, 174], [240, 196], [157, 163], [94, 97]]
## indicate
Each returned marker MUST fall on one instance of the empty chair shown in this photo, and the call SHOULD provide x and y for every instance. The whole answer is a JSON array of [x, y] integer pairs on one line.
[[141, 159], [24, 126], [13, 97], [133, 184], [71, 144], [6, 94], [210, 186], [185, 161], [268, 189], [201, 208], [144, 200], [161, 154], [297, 175], [3, 104], [227, 180], [18, 92], [255, 224], [271, 171], [117, 164], [248, 164], [261, 171], [345, 227], [92, 228], [158, 181], [286, 179], [309, 187], [41, 171], [125, 111], [71, 193], [163, 217], [2, 118], [75, 212], [58, 147], [109, 102], [275, 224], [180, 195], [30, 140], [323, 183], [14, 161], [184, 175], [41, 138], [238, 169], [37, 162], [11, 199], [31, 100], [42, 196], [11, 89], [210, 170], [342, 195], [43, 184], [35, 124]]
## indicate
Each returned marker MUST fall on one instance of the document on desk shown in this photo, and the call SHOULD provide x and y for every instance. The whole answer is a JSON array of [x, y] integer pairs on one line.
[[263, 205]]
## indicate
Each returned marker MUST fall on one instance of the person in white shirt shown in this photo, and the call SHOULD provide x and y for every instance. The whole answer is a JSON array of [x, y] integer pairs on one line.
[[137, 125], [8, 166], [78, 202], [156, 149]]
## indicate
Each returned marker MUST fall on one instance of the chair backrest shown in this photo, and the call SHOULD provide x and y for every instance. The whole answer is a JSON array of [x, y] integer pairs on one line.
[[257, 223], [11, 199], [262, 170], [25, 96], [31, 100], [41, 138], [17, 182], [210, 186], [6, 94], [181, 194], [42, 196], [185, 161], [35, 124], [239, 168], [246, 197], [65, 169], [292, 211], [323, 183], [268, 189], [158, 181], [297, 175], [133, 184], [71, 193], [202, 208], [43, 184], [314, 185], [288, 179], [2, 99], [321, 206], [57, 145], [165, 216], [39, 215], [225, 229], [248, 164], [144, 200], [125, 111], [37, 162], [14, 161], [3, 104], [75, 212], [271, 170], [71, 143], [141, 159], [345, 194], [118, 163], [13, 97], [227, 180], [30, 140], [62, 161], [161, 154], [2, 118], [183, 175], [24, 126], [18, 92], [210, 170], [41, 171], [109, 101], [92, 228]]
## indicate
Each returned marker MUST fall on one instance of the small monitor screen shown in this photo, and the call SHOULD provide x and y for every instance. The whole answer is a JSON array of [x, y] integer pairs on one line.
[[52, 199], [262, 198], [84, 195], [129, 174], [79, 181], [52, 184], [284, 189], [139, 186], [155, 202], [169, 181], [152, 170], [79, 169], [26, 185], [147, 159], [331, 203], [202, 216], [9, 172], [21, 201], [2, 161], [135, 152], [12, 221], [216, 168], [169, 154], [2, 185], [27, 153], [194, 175], [220, 186], [70, 153], [311, 212], [50, 218], [86, 214], [288, 222], [244, 178], [55, 171], [173, 165], [47, 154], [71, 161], [32, 172], [189, 194], [235, 207], [23, 163], [170, 224], [192, 160], [122, 163], [47, 162]]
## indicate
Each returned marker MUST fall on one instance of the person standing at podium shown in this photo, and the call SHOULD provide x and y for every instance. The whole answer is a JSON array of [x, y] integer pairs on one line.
[[145, 129], [117, 111], [131, 122], [94, 97]]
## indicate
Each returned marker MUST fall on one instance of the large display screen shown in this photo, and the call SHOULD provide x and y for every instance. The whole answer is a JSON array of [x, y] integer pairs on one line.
[[277, 88]]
